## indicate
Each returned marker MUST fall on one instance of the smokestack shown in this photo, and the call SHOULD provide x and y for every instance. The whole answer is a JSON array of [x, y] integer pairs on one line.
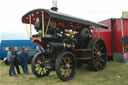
[[54, 5]]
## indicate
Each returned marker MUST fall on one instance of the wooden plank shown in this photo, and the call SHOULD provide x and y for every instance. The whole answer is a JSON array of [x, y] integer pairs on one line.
[[83, 58], [81, 49]]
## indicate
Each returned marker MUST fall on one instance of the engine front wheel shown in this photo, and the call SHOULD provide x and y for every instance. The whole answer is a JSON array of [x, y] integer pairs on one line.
[[39, 65], [65, 66]]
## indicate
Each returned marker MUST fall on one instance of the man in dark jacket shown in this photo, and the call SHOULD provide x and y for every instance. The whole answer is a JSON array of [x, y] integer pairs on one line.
[[16, 62]]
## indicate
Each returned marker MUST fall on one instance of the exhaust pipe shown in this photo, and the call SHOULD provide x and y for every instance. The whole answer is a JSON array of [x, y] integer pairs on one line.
[[54, 5]]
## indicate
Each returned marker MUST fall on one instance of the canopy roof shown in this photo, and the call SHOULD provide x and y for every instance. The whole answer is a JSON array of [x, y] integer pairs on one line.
[[49, 13]]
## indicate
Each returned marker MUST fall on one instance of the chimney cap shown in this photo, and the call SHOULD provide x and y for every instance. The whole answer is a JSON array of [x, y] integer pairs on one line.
[[54, 8], [54, 5]]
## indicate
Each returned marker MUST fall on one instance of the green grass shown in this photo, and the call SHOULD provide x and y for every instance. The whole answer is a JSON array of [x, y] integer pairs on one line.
[[83, 76]]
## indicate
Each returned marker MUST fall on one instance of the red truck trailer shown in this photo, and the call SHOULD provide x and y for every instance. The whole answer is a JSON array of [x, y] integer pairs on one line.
[[117, 28]]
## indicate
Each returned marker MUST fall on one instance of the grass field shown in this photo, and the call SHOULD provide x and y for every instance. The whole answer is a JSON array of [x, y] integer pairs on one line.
[[114, 74]]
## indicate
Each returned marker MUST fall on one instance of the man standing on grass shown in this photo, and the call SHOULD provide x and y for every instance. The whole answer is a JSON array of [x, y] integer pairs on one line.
[[11, 61], [16, 62], [23, 58]]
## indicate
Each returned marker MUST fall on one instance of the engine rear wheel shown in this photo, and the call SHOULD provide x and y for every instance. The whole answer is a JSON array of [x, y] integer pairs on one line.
[[98, 54], [65, 66], [39, 65]]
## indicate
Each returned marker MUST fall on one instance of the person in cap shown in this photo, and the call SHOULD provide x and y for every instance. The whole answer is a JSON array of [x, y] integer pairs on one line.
[[23, 58]]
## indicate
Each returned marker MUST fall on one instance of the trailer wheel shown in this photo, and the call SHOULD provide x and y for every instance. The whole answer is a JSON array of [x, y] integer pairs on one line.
[[98, 54], [5, 60], [38, 65], [65, 66]]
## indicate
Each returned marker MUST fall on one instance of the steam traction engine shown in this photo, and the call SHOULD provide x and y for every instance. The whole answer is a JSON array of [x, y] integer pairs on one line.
[[68, 42]]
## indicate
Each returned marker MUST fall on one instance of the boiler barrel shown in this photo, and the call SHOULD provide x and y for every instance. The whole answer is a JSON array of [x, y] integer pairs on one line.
[[59, 46]]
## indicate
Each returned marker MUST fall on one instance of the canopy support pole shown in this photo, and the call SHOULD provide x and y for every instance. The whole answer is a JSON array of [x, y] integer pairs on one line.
[[30, 26], [42, 23], [27, 30], [47, 25]]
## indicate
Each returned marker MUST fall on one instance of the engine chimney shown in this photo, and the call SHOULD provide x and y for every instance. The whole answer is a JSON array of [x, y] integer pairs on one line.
[[54, 7]]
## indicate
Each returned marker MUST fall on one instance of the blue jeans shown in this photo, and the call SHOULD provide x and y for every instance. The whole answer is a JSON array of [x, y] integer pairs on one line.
[[11, 70], [24, 66]]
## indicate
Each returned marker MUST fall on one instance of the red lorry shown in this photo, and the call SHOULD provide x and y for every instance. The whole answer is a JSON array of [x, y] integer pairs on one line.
[[117, 28]]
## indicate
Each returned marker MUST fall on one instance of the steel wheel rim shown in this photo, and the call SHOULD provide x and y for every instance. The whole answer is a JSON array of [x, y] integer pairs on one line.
[[66, 66], [99, 54], [40, 68]]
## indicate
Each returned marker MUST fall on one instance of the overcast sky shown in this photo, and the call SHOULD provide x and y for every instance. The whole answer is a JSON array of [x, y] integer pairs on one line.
[[11, 11]]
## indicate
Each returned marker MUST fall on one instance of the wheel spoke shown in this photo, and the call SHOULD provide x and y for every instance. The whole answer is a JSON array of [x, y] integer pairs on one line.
[[69, 71], [37, 65], [41, 71], [38, 62], [100, 59], [64, 60], [95, 48], [96, 62], [98, 45], [99, 63], [38, 69], [69, 60], [101, 48], [62, 69], [65, 73], [41, 58]]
